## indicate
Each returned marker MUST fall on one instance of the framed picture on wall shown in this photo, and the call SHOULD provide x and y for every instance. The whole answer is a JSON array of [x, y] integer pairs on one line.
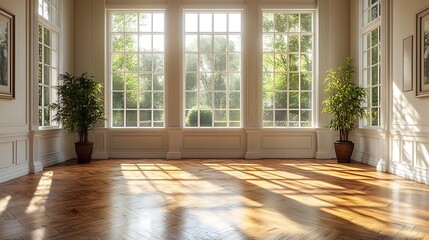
[[407, 64], [422, 48], [7, 55]]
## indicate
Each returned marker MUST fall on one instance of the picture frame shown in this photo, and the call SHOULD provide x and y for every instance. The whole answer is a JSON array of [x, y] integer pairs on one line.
[[7, 55], [422, 52], [407, 64]]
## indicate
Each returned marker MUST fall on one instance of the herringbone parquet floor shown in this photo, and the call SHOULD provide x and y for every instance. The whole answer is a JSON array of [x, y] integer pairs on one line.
[[213, 199]]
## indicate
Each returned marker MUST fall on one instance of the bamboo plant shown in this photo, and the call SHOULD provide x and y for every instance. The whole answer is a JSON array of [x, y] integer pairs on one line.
[[343, 99], [79, 105]]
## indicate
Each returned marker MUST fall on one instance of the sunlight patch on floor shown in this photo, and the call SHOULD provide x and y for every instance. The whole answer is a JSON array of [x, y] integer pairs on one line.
[[41, 194], [3, 203]]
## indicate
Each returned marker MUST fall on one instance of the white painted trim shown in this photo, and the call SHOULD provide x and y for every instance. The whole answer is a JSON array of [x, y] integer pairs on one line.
[[14, 172], [122, 155], [411, 173]]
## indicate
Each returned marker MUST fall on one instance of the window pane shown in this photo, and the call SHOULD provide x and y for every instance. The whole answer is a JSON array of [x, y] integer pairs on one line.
[[145, 100], [191, 81], [234, 22], [158, 43], [305, 100], [234, 81], [118, 100], [220, 81], [306, 43], [191, 43], [131, 81], [191, 22], [118, 42], [130, 42], [281, 118], [131, 100], [158, 100], [220, 100], [205, 22], [281, 100], [131, 118], [234, 100], [306, 22], [158, 22], [118, 81], [306, 81], [146, 118], [220, 43], [220, 22], [118, 118], [118, 22], [268, 22], [131, 21], [234, 43]]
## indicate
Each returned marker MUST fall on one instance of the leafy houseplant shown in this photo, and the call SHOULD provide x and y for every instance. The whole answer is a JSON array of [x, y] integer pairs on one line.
[[78, 109], [344, 102]]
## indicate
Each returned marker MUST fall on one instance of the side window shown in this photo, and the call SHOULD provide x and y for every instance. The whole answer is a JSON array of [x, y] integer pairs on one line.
[[287, 68], [48, 38], [212, 68], [137, 68], [371, 59]]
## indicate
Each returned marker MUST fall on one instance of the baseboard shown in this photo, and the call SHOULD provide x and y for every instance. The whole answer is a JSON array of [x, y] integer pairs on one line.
[[174, 155], [287, 155], [323, 155], [414, 174], [136, 155], [56, 158], [13, 172], [212, 155], [253, 155], [100, 155]]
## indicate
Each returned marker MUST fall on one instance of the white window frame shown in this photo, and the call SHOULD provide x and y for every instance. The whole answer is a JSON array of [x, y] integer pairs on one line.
[[288, 91], [55, 27], [367, 28], [110, 90], [227, 72]]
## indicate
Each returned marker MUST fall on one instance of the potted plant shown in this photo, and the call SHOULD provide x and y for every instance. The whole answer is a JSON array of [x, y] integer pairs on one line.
[[78, 109], [344, 102]]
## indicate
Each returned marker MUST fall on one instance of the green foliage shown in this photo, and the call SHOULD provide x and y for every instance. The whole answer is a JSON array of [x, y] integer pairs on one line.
[[79, 104], [343, 99], [205, 117]]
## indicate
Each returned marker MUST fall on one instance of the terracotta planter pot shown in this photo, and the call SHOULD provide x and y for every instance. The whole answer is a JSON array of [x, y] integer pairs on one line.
[[344, 151], [83, 151]]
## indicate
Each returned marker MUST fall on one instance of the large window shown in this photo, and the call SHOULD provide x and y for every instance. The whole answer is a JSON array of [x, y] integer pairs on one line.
[[287, 65], [48, 36], [371, 59], [137, 68], [212, 68]]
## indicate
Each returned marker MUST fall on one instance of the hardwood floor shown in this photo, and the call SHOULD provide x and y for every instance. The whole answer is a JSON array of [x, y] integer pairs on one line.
[[213, 199]]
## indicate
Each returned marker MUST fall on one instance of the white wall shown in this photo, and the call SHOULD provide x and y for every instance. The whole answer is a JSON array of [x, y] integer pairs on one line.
[[410, 115], [29, 149], [251, 141], [402, 145], [23, 148], [14, 121], [371, 145], [54, 146]]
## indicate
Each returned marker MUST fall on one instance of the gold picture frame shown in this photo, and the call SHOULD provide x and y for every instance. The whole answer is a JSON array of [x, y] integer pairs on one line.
[[422, 52], [7, 55]]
